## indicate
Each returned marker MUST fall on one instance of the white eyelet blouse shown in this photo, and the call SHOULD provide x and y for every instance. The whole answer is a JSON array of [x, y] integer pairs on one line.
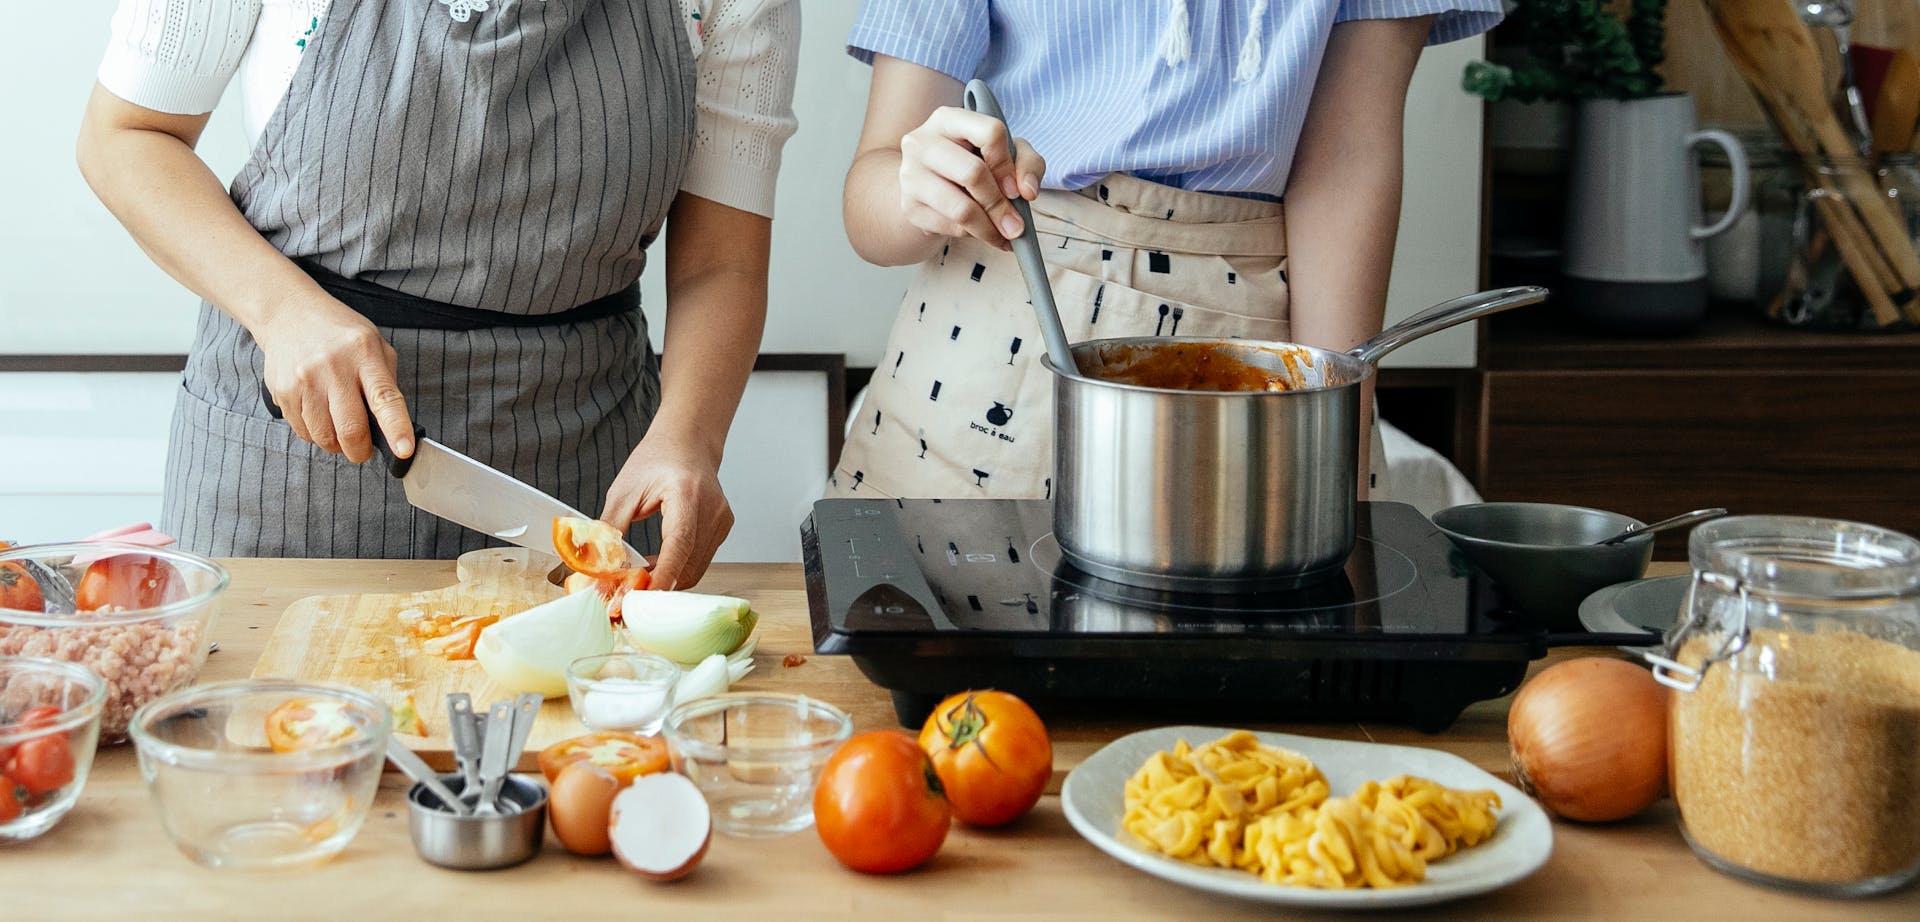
[[178, 56]]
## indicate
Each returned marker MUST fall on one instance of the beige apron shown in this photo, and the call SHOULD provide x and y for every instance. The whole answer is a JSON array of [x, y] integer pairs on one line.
[[960, 406]]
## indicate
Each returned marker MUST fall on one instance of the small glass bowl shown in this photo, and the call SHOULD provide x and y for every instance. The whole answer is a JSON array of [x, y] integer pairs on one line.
[[756, 756], [228, 800], [28, 682], [627, 692], [142, 653]]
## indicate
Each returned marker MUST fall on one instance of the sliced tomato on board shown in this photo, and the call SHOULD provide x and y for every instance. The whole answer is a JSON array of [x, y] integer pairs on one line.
[[456, 639], [310, 723], [589, 546], [128, 582], [624, 755]]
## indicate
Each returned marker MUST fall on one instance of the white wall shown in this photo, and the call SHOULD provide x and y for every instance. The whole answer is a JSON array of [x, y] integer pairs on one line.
[[72, 281], [85, 452]]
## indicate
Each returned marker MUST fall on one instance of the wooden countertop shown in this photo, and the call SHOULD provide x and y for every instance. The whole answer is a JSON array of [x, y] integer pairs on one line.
[[109, 856]]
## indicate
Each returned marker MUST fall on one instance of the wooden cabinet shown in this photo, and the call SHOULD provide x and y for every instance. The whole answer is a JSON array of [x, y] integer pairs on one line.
[[1745, 415]]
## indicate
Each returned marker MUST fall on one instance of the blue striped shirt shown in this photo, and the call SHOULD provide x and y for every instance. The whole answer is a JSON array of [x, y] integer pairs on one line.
[[1088, 83]]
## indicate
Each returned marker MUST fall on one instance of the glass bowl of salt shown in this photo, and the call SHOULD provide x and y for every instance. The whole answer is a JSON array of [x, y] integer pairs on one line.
[[627, 692]]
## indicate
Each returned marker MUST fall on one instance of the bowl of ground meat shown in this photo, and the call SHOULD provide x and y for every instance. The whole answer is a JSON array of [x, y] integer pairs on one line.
[[139, 617]]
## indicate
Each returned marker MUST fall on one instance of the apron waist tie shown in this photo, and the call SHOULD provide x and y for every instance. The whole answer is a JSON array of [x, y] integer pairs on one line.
[[386, 307]]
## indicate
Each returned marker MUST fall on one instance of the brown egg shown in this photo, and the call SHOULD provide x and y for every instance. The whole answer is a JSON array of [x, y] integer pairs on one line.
[[581, 805]]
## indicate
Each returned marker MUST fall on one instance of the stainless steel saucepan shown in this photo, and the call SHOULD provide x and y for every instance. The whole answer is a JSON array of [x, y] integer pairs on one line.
[[1213, 491]]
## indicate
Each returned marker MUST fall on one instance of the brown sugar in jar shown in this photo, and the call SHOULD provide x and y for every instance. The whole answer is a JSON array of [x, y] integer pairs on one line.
[[1799, 758], [1794, 736]]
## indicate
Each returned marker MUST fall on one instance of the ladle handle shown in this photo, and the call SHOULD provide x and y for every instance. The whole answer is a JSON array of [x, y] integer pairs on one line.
[[1678, 521], [1446, 314], [1026, 247]]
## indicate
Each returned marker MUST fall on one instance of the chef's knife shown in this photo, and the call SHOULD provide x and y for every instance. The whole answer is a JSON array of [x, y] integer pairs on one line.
[[459, 489]]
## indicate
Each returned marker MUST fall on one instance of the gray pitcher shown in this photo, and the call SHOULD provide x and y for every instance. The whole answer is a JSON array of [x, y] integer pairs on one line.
[[1633, 255]]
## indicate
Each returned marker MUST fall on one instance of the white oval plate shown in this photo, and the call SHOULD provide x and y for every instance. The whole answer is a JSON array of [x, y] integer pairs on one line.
[[1649, 605], [1094, 799]]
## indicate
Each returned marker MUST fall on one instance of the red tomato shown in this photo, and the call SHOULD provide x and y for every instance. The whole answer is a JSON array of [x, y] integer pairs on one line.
[[9, 805], [992, 754], [43, 764], [879, 807], [43, 715], [626, 756], [18, 589], [588, 546], [310, 723], [128, 582]]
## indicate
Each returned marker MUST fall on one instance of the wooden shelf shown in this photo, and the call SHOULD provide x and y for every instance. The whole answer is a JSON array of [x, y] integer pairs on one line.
[[1733, 336], [1742, 413]]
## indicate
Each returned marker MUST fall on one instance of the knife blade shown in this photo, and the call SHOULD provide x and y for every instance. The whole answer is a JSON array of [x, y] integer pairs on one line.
[[445, 483]]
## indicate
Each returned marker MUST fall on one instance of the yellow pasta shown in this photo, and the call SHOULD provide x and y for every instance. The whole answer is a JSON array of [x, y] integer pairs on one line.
[[1237, 803]]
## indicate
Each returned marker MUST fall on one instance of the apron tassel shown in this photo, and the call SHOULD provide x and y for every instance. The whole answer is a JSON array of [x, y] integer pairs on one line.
[[1249, 66], [1174, 40]]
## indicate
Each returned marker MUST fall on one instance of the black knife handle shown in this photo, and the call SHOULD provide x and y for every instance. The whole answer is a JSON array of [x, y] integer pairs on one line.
[[396, 465]]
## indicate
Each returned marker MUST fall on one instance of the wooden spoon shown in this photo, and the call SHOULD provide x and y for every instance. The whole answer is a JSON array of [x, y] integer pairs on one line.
[[1896, 108]]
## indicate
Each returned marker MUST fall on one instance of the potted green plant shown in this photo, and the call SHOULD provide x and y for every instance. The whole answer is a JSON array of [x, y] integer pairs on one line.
[[1631, 248]]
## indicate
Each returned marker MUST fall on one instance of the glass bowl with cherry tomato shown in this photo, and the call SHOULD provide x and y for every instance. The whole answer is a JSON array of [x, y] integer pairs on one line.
[[49, 723], [262, 773], [138, 617]]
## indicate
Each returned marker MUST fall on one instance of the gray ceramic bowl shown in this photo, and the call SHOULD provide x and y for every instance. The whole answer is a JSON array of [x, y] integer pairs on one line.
[[1543, 553]]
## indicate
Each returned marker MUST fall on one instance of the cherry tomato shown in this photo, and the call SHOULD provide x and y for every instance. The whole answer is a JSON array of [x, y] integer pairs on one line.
[[42, 715], [310, 723], [589, 546], [18, 589], [879, 807], [127, 582], [9, 805], [625, 755], [992, 754], [43, 764]]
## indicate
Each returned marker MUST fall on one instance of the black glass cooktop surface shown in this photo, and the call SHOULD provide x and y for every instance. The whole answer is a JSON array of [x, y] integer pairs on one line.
[[932, 596]]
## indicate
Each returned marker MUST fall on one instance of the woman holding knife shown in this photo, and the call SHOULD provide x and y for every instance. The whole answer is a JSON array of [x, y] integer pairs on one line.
[[445, 211]]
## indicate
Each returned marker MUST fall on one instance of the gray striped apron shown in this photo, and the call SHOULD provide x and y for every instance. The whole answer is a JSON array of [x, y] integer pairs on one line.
[[519, 162]]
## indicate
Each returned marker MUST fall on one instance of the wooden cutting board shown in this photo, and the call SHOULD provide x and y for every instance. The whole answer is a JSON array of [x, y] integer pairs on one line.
[[361, 641]]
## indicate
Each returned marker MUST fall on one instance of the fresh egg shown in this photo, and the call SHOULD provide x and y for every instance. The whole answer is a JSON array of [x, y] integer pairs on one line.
[[580, 806]]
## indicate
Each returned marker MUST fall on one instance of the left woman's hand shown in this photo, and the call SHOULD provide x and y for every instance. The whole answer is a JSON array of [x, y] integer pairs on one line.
[[681, 481]]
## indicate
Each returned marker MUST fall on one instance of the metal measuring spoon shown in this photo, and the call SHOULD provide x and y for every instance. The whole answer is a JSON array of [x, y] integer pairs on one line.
[[1837, 17], [493, 758], [463, 731], [410, 763], [1679, 521], [1026, 249]]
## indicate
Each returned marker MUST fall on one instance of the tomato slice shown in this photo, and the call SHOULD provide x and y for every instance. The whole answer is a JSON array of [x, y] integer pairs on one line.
[[310, 723], [460, 637], [612, 586], [589, 546], [624, 755], [128, 582], [19, 590]]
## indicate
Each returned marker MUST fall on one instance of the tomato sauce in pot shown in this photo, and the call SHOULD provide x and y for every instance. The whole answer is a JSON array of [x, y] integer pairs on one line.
[[1201, 367]]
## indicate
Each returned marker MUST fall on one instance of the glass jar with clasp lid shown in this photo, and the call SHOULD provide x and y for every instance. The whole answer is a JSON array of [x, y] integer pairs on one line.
[[1794, 732]]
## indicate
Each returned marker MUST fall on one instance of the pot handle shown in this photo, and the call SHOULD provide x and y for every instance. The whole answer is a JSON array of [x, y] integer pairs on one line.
[[1443, 315]]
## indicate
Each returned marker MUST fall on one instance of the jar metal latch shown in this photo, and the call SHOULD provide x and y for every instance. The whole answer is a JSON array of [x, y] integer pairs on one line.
[[1681, 677]]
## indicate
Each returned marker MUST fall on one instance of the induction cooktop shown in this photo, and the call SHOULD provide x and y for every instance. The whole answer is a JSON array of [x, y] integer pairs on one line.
[[930, 597]]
